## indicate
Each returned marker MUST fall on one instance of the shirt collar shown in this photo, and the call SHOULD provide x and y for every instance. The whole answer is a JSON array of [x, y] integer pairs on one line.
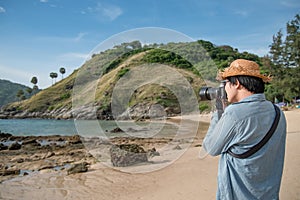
[[252, 98]]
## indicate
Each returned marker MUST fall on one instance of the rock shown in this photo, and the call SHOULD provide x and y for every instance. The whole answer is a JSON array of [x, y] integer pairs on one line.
[[8, 172], [78, 168], [157, 111], [152, 152], [117, 130], [15, 146], [177, 147], [45, 167], [3, 147], [31, 141], [45, 171], [48, 155], [5, 135], [142, 111], [18, 160], [75, 139], [35, 157], [127, 154]]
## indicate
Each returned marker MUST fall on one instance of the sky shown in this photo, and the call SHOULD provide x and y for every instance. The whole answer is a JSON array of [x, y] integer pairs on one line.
[[38, 37]]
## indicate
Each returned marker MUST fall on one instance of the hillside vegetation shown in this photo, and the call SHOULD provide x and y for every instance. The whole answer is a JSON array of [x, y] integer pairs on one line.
[[85, 92], [9, 91]]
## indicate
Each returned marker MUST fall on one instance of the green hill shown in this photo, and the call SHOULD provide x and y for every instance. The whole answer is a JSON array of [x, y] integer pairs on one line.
[[9, 91], [84, 95]]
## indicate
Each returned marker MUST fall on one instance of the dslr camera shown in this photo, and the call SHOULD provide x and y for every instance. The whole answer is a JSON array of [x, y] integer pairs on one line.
[[218, 94], [210, 93]]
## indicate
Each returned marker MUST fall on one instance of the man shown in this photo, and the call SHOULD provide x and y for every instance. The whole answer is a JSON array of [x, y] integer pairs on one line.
[[243, 124]]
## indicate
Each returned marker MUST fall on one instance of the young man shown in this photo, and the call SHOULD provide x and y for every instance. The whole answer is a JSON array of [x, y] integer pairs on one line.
[[244, 123]]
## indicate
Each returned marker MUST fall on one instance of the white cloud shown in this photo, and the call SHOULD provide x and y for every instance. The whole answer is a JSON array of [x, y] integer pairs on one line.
[[73, 55], [79, 37], [105, 11], [2, 10], [49, 3], [112, 12]]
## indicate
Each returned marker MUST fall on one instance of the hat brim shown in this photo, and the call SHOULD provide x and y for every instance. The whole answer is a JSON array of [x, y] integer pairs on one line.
[[224, 75]]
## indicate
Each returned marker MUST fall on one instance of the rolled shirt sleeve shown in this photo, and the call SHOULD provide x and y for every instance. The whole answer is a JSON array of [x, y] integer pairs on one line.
[[219, 134]]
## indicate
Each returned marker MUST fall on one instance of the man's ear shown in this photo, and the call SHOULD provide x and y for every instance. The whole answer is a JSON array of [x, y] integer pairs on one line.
[[238, 85]]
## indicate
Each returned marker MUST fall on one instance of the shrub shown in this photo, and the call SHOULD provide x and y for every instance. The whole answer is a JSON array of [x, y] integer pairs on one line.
[[203, 106]]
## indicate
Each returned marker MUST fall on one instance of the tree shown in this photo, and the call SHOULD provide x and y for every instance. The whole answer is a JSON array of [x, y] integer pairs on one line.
[[34, 81], [53, 75], [276, 48], [20, 95], [35, 88], [292, 50], [62, 71], [29, 90], [292, 42], [285, 57]]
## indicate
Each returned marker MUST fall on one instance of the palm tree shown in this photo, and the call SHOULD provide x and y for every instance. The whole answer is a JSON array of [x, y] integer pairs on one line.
[[53, 75], [62, 71], [35, 88], [34, 81]]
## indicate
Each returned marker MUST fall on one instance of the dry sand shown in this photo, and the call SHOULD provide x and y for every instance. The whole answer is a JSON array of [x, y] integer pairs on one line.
[[188, 178]]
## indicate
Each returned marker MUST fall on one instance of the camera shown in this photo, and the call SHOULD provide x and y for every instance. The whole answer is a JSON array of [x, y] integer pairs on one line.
[[218, 93], [210, 93]]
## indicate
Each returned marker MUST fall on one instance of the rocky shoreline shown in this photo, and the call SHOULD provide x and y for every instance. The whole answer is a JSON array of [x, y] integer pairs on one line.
[[89, 112], [24, 155]]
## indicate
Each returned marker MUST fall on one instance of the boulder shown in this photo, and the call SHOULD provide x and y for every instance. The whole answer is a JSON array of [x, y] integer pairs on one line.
[[152, 152], [15, 146], [3, 147], [127, 154], [5, 135], [78, 168], [117, 130]]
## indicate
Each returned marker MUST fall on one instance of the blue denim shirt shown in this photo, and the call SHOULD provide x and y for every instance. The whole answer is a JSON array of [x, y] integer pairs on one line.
[[242, 125]]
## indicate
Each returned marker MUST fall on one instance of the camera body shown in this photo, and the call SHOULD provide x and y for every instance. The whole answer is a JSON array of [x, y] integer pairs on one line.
[[218, 93], [210, 93]]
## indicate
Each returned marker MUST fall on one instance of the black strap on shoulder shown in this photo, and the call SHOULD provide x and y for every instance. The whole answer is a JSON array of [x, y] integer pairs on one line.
[[256, 147]]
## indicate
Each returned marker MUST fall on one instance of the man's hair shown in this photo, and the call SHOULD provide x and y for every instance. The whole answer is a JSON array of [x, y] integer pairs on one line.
[[251, 83]]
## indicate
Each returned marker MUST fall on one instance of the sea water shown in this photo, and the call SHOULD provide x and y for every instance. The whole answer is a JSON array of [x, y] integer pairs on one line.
[[43, 127], [100, 128]]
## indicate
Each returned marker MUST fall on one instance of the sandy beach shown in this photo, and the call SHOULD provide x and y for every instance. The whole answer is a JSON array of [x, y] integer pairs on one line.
[[187, 178]]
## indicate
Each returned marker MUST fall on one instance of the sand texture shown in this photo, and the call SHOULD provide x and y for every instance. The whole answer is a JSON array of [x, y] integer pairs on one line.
[[188, 178]]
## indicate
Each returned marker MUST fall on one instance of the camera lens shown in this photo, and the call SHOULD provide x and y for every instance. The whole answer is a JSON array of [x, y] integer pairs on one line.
[[205, 93]]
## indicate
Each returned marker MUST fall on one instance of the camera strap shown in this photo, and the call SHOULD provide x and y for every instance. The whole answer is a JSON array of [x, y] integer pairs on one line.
[[259, 145]]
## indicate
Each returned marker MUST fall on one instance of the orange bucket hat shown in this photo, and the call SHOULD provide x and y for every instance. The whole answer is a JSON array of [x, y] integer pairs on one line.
[[243, 67]]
